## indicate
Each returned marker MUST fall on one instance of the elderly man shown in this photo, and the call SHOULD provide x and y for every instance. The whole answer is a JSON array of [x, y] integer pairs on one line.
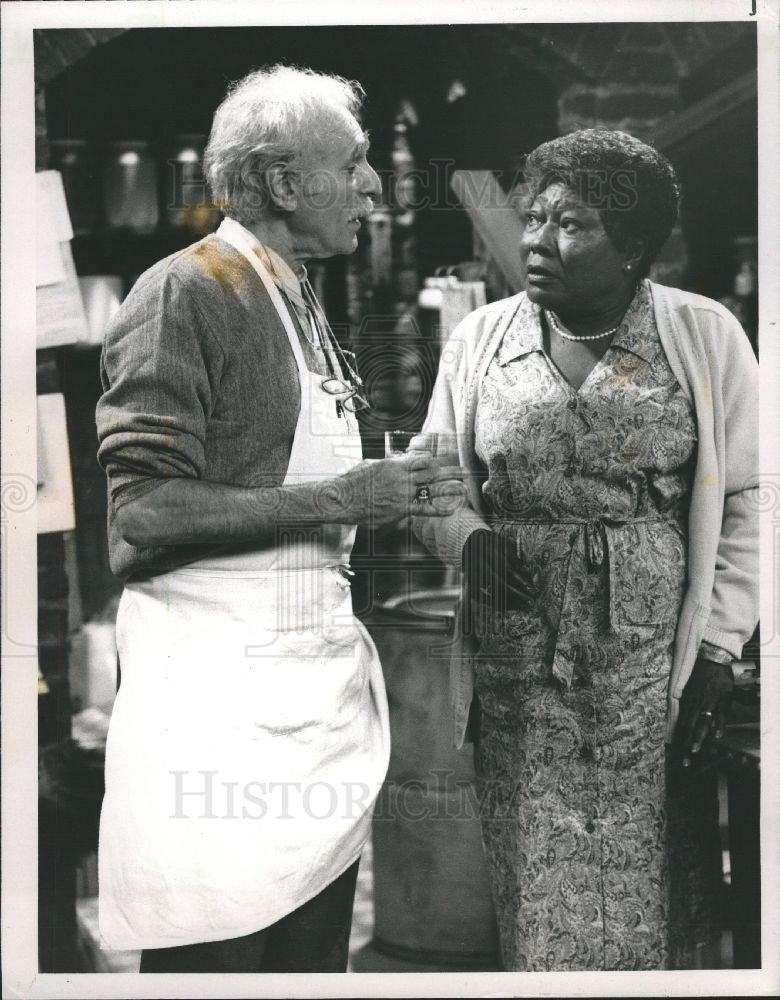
[[249, 736]]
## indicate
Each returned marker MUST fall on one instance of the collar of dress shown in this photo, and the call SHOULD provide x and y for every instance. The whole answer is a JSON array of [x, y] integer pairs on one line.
[[524, 335]]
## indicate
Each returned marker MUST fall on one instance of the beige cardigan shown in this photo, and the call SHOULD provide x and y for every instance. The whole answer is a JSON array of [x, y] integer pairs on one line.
[[714, 364]]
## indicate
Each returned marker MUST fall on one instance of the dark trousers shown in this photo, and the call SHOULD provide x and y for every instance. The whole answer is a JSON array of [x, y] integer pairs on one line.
[[313, 938]]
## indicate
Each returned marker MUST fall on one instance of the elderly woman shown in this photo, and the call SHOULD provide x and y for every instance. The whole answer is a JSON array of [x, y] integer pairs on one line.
[[608, 427]]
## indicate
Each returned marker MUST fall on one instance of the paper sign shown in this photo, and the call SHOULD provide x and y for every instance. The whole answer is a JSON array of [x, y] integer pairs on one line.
[[55, 507], [50, 187], [60, 315], [59, 310], [52, 227]]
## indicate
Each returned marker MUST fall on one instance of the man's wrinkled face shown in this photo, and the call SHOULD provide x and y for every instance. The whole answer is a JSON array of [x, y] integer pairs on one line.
[[336, 188]]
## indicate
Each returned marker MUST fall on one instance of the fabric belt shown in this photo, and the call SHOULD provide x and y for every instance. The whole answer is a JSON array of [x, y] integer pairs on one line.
[[599, 542]]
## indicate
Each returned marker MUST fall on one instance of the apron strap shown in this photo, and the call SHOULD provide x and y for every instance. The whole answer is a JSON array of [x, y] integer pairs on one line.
[[233, 233]]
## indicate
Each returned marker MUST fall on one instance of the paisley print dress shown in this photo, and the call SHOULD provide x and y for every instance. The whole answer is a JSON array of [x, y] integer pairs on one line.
[[592, 487]]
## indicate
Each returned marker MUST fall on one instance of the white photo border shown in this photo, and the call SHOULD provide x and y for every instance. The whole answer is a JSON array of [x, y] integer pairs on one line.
[[19, 627]]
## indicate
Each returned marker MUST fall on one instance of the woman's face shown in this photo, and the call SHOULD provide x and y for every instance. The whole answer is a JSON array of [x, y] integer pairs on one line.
[[571, 264]]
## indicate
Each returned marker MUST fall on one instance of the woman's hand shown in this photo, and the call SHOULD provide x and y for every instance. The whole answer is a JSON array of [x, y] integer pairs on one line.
[[494, 578], [704, 706]]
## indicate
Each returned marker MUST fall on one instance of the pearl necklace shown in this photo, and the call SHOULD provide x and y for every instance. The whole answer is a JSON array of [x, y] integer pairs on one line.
[[571, 336]]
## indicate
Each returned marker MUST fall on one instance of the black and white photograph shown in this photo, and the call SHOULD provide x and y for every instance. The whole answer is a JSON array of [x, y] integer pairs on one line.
[[390, 498]]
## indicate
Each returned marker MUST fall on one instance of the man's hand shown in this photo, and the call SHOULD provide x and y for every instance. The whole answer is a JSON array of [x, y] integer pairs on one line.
[[494, 578], [704, 707], [380, 492], [191, 511]]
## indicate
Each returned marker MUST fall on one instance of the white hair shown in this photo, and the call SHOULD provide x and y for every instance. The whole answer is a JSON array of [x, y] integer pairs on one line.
[[271, 115]]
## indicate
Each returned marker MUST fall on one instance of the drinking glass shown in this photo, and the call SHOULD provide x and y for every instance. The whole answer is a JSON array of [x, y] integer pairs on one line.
[[397, 442], [445, 446]]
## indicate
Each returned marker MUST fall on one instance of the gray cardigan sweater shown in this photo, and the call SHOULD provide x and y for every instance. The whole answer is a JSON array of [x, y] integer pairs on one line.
[[199, 381], [714, 364]]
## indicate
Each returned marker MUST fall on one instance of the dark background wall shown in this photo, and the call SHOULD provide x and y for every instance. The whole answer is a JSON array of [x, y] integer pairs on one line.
[[155, 83], [524, 84]]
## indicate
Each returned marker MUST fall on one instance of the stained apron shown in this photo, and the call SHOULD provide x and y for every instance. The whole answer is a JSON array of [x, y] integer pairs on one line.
[[249, 737]]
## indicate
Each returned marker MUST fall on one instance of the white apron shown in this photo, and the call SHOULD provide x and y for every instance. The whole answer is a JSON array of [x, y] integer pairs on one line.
[[249, 737]]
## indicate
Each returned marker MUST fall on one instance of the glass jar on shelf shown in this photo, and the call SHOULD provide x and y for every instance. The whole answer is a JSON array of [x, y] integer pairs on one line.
[[77, 163], [187, 203], [130, 186]]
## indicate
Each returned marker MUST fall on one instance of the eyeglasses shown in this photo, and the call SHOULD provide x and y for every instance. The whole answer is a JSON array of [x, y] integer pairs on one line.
[[346, 385], [349, 389]]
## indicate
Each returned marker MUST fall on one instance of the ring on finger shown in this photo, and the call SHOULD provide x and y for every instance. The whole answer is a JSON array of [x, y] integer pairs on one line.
[[423, 494], [706, 715]]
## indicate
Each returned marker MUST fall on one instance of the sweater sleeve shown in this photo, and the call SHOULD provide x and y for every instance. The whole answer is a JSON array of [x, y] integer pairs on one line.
[[445, 537], [160, 370], [734, 603]]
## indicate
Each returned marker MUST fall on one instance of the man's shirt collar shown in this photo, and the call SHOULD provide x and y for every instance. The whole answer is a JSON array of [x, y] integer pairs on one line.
[[281, 273]]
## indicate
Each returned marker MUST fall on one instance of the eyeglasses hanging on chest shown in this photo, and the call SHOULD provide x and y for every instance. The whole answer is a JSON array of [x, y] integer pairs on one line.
[[342, 381]]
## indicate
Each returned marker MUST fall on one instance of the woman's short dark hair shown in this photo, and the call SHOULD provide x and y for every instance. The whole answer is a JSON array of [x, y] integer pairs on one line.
[[633, 186]]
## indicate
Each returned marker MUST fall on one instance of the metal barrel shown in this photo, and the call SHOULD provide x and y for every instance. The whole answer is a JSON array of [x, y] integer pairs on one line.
[[432, 903]]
